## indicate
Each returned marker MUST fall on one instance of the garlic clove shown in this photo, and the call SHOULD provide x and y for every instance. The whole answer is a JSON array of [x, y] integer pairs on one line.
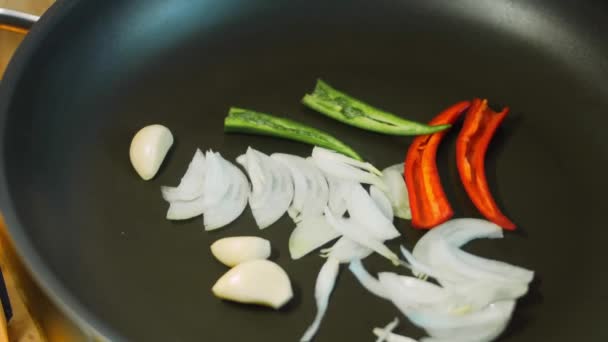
[[255, 282], [232, 251], [149, 148]]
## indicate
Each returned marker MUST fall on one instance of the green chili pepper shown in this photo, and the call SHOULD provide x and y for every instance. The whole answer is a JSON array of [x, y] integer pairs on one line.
[[342, 107], [248, 121]]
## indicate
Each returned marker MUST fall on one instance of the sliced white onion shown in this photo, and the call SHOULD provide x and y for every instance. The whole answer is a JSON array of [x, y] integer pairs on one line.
[[183, 210], [191, 185], [346, 250], [391, 336], [382, 201], [272, 187], [408, 292], [397, 191], [457, 232], [372, 284], [326, 281], [234, 201], [499, 268], [360, 235], [310, 234], [339, 191], [363, 210], [384, 332], [439, 250], [481, 334], [217, 179], [337, 167], [491, 319], [311, 191], [323, 153], [467, 285]]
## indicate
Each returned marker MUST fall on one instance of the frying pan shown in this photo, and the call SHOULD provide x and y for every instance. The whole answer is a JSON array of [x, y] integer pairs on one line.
[[91, 73]]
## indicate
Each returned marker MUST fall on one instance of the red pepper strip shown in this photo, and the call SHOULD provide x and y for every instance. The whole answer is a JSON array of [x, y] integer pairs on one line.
[[428, 203], [479, 126]]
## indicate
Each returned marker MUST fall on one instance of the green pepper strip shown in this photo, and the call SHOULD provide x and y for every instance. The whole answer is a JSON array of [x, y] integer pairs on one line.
[[248, 121], [342, 107]]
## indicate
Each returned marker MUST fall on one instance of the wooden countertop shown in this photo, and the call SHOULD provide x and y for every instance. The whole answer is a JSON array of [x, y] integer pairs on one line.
[[10, 40], [35, 317]]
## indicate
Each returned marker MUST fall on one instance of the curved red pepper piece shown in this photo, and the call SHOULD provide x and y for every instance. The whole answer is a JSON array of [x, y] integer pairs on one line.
[[428, 203], [479, 126]]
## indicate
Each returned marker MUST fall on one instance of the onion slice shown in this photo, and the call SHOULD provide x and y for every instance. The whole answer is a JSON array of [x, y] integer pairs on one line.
[[439, 250], [384, 332], [382, 202], [490, 320], [183, 210], [321, 153], [339, 191], [339, 168], [232, 203], [397, 191], [360, 235], [310, 234], [346, 250], [272, 187], [311, 192], [372, 284], [217, 179], [363, 210], [326, 281], [191, 185], [392, 337]]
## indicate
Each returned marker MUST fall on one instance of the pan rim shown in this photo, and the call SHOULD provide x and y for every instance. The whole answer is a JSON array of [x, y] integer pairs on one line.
[[40, 272]]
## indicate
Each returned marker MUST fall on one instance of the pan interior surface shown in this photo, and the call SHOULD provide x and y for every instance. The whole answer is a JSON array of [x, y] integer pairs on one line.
[[106, 69]]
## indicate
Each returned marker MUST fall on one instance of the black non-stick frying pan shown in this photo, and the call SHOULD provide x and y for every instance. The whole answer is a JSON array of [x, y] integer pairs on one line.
[[91, 73]]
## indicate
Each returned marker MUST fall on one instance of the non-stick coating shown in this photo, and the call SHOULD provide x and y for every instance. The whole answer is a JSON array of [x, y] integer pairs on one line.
[[93, 72]]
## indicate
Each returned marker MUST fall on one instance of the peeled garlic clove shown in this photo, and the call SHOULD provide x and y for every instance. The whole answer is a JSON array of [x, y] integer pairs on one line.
[[255, 282], [232, 251], [149, 148]]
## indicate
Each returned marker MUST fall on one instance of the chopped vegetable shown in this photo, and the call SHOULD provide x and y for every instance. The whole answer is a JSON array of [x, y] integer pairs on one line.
[[326, 280], [255, 282], [361, 235], [364, 211], [323, 153], [272, 185], [223, 208], [346, 250], [311, 191], [223, 196], [342, 107], [235, 250], [149, 148], [370, 283], [385, 332], [397, 191], [440, 251], [479, 126], [191, 185], [382, 202], [429, 204], [310, 234], [482, 325], [392, 337], [183, 210], [344, 169], [476, 299], [339, 190], [248, 121]]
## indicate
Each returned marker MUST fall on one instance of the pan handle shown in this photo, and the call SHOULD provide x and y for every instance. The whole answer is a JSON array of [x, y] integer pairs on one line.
[[16, 21]]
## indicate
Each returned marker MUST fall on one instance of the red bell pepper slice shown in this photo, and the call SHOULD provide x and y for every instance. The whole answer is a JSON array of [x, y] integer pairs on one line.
[[472, 143], [428, 202]]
